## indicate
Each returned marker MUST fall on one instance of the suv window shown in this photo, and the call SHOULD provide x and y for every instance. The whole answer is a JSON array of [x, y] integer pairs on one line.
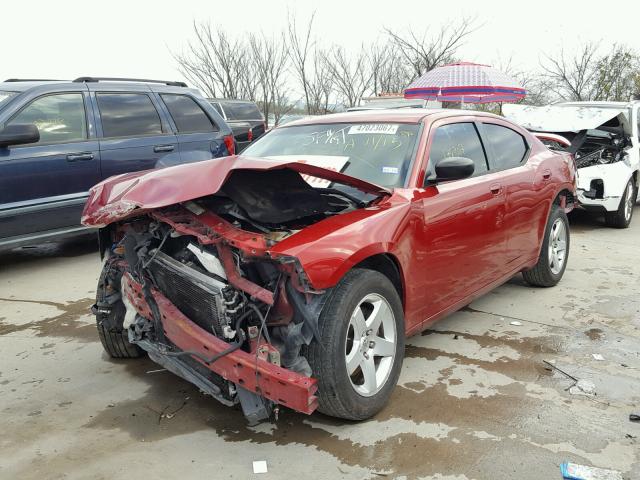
[[242, 111], [508, 147], [128, 115], [59, 118], [187, 114], [218, 108], [458, 140]]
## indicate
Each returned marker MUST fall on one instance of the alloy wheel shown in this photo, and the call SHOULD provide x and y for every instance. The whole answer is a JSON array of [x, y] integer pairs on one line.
[[557, 246], [371, 344]]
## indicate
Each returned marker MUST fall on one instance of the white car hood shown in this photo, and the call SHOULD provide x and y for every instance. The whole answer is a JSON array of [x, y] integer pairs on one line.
[[564, 118]]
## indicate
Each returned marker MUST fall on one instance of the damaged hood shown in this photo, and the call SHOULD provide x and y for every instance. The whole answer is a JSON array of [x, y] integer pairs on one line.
[[564, 118], [118, 197]]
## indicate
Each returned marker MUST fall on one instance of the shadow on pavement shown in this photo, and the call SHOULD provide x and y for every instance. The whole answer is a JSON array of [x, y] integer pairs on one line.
[[69, 247]]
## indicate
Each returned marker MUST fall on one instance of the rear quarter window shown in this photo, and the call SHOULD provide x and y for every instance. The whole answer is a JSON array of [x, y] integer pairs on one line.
[[187, 114]]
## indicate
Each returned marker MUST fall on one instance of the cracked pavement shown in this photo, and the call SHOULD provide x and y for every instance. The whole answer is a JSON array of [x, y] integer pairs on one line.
[[475, 399]]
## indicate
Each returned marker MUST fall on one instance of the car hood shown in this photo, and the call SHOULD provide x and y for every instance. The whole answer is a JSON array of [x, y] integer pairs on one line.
[[123, 195], [564, 118]]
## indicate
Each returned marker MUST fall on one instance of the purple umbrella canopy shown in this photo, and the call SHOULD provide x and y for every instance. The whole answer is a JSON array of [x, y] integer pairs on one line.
[[466, 82]]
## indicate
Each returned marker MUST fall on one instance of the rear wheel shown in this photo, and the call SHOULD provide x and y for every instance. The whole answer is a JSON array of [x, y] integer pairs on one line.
[[358, 360], [621, 218], [113, 337], [554, 252]]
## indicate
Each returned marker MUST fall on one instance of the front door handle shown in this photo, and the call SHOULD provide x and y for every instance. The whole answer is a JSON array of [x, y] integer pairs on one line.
[[496, 189], [164, 148], [78, 157]]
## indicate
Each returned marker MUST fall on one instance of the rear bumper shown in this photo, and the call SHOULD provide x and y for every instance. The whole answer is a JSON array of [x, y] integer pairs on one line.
[[271, 381]]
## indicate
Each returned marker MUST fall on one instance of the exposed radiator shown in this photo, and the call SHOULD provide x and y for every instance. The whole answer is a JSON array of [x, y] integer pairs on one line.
[[195, 294]]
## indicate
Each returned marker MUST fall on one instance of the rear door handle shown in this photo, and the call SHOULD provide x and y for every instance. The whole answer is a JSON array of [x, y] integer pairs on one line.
[[164, 148], [546, 174], [496, 189], [78, 157]]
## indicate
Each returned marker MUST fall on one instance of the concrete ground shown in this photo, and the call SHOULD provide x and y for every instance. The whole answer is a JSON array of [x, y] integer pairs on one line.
[[475, 400]]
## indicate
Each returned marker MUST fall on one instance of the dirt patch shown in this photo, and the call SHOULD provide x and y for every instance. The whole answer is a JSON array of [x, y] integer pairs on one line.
[[65, 324], [594, 334]]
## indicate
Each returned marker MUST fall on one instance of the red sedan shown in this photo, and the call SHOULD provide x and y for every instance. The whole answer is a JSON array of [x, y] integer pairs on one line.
[[291, 275]]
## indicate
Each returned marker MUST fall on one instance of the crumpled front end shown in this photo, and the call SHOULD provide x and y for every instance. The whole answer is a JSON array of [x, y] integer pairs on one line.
[[211, 299]]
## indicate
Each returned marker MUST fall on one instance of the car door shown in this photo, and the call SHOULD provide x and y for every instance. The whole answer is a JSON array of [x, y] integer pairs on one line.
[[44, 185], [524, 188], [133, 134], [462, 237], [198, 133]]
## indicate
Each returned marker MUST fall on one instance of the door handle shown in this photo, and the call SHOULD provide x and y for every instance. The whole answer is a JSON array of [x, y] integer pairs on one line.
[[546, 174], [77, 157], [496, 189], [163, 148]]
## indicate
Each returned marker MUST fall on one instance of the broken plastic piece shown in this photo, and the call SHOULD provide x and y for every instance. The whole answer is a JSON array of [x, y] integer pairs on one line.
[[583, 387], [597, 356], [516, 323], [634, 417], [573, 471], [260, 466]]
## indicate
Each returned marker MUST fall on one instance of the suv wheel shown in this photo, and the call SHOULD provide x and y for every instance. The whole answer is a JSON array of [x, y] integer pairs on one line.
[[554, 252], [358, 361], [621, 218]]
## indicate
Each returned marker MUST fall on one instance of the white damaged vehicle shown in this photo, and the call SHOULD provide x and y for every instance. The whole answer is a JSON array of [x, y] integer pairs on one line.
[[605, 139]]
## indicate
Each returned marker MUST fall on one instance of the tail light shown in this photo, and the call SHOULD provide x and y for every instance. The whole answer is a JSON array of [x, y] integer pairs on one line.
[[250, 135], [230, 144]]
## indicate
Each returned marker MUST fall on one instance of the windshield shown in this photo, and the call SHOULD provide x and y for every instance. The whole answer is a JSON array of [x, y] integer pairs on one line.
[[242, 111], [4, 96], [378, 153]]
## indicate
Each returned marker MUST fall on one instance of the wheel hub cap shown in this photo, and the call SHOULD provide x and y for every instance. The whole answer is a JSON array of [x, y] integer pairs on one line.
[[371, 345], [557, 246]]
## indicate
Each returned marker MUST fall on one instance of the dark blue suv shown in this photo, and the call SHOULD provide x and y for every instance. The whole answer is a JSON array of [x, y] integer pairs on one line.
[[58, 138]]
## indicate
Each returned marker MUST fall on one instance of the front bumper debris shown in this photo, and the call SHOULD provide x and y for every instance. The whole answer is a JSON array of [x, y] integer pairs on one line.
[[251, 371]]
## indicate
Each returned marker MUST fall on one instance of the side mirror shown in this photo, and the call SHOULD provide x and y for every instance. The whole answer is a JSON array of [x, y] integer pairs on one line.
[[454, 168], [19, 134]]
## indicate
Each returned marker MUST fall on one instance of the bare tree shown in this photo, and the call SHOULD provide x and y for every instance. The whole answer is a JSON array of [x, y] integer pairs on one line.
[[423, 52], [350, 75], [572, 78], [217, 64], [302, 47]]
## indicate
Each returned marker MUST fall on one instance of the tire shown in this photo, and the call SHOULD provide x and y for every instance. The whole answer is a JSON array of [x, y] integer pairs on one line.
[[342, 332], [545, 273], [114, 339], [621, 218]]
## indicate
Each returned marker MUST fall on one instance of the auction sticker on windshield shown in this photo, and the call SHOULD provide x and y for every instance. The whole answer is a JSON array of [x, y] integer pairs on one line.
[[330, 162], [384, 128]]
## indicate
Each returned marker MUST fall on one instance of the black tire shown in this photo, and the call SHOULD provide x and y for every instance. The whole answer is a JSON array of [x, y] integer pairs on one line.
[[114, 339], [541, 275], [619, 218], [336, 394]]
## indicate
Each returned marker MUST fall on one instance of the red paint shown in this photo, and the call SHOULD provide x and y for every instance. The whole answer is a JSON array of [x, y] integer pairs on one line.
[[452, 242], [278, 384]]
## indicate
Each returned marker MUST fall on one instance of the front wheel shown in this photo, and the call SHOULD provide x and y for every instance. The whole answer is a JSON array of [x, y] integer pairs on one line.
[[554, 252], [621, 218], [358, 360]]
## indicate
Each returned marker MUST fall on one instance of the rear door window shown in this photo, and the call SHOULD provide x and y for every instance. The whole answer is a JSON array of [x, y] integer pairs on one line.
[[187, 114], [507, 147], [128, 115], [458, 140], [60, 118]]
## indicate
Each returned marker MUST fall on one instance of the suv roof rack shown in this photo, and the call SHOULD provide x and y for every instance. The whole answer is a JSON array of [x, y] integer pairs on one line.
[[118, 79], [9, 80]]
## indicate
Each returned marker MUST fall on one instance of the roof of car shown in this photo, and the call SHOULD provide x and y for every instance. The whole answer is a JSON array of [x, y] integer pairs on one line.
[[599, 104], [403, 115], [230, 100], [22, 85]]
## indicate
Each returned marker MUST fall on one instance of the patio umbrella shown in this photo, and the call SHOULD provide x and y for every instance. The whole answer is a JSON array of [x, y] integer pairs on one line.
[[467, 83]]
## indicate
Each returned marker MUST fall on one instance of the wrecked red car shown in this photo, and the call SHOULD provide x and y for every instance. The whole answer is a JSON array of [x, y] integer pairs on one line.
[[291, 276]]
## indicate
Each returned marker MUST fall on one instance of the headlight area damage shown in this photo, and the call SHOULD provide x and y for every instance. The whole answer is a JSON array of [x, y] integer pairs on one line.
[[203, 292]]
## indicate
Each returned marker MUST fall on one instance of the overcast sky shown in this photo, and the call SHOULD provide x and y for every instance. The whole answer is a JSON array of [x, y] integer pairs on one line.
[[66, 39]]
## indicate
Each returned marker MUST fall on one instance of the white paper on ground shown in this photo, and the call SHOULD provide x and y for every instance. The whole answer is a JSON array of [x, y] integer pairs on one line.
[[260, 466]]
